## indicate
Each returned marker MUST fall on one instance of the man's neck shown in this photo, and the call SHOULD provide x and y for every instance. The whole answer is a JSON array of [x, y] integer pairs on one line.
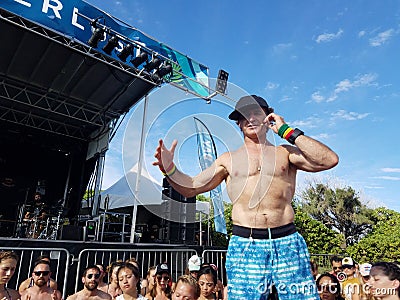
[[88, 293]]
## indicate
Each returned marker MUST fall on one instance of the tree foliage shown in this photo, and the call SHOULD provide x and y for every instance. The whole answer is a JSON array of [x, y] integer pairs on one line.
[[383, 243], [338, 209], [217, 238], [318, 237]]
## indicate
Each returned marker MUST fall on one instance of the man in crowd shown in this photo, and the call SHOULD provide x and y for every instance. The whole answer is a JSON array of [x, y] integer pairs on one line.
[[336, 263], [351, 287], [90, 280], [40, 289]]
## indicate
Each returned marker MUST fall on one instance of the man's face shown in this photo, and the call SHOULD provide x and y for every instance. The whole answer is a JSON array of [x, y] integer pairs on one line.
[[337, 266], [38, 198], [252, 120], [349, 270], [41, 275], [91, 280]]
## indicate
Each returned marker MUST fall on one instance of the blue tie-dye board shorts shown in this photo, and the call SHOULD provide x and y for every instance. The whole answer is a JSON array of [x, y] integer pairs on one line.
[[253, 265]]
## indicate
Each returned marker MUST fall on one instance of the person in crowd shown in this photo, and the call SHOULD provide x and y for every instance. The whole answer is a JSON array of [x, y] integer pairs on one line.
[[219, 287], [30, 281], [328, 287], [193, 266], [102, 284], [90, 280], [352, 288], [148, 282], [41, 289], [314, 269], [385, 281], [207, 280], [260, 179], [161, 289], [128, 279], [336, 263], [112, 286], [8, 265], [134, 262], [364, 270], [186, 288]]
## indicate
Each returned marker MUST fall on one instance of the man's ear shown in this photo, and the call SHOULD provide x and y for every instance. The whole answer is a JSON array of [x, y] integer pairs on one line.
[[396, 284], [83, 279]]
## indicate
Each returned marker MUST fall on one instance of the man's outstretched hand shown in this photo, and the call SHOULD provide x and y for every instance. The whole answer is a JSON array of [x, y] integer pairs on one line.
[[164, 156]]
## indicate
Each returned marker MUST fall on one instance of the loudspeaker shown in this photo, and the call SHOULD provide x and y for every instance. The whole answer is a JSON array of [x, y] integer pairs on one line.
[[72, 232]]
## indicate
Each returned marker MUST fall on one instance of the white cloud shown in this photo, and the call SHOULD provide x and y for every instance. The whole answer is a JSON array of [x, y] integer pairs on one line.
[[392, 178], [391, 170], [346, 84], [361, 33], [328, 37], [381, 38], [348, 115], [317, 97]]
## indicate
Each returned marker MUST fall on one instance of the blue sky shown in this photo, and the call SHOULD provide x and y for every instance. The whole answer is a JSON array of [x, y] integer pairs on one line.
[[329, 68]]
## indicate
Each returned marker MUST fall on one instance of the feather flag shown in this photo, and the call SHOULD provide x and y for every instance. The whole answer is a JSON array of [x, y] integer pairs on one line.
[[207, 154]]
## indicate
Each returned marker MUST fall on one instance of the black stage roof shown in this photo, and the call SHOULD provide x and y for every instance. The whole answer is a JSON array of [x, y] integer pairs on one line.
[[56, 96], [52, 84]]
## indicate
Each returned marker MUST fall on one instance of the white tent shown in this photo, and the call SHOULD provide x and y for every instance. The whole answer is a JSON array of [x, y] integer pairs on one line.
[[120, 194]]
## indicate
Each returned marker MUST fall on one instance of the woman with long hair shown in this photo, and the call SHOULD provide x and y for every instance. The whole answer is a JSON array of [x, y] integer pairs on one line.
[[207, 280], [8, 264], [128, 278], [161, 289]]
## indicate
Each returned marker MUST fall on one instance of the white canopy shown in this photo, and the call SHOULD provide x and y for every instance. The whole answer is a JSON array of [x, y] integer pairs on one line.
[[121, 193]]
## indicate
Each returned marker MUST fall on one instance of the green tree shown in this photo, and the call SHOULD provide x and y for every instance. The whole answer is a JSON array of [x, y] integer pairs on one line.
[[217, 238], [383, 242], [319, 238], [338, 209]]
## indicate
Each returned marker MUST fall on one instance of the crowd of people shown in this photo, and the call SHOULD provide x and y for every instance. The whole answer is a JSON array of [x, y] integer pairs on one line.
[[347, 280]]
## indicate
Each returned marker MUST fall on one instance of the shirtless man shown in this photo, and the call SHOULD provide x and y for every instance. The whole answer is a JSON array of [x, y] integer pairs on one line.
[[40, 290], [265, 247], [27, 283], [90, 280]]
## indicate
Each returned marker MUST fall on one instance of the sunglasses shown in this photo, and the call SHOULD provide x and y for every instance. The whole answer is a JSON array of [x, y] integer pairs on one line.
[[44, 273], [96, 276], [337, 268], [327, 288], [166, 278]]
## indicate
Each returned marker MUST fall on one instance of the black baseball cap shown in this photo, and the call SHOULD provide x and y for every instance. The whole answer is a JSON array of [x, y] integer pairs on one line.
[[162, 268], [247, 101]]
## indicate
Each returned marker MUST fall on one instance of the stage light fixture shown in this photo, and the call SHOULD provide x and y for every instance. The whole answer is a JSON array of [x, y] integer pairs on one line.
[[138, 60], [222, 81], [111, 44], [161, 72], [97, 35], [125, 52], [153, 64]]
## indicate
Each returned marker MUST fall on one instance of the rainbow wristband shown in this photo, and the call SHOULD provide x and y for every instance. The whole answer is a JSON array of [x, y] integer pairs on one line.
[[282, 129], [170, 171]]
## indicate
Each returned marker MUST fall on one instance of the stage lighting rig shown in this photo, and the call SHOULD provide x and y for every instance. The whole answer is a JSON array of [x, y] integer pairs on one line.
[[153, 64], [111, 44], [165, 69], [138, 60], [125, 52], [220, 86], [97, 35]]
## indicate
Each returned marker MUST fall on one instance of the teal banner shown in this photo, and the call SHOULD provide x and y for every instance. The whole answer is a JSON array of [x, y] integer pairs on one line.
[[66, 17]]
